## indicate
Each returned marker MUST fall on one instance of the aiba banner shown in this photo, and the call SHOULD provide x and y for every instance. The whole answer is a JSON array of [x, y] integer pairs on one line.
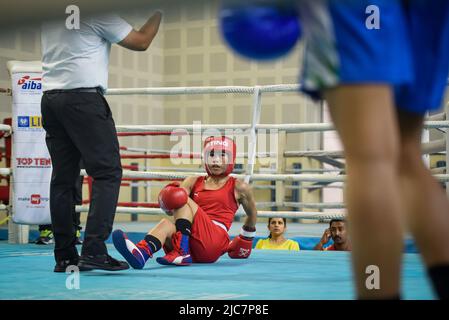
[[31, 163]]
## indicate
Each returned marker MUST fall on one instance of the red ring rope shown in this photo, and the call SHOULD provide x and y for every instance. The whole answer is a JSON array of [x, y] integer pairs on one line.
[[151, 133]]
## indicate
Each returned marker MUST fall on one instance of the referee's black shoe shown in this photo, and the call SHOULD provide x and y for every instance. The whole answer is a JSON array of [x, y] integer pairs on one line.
[[69, 266], [101, 262]]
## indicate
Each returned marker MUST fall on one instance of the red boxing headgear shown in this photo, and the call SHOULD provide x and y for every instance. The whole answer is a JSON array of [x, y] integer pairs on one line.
[[220, 144]]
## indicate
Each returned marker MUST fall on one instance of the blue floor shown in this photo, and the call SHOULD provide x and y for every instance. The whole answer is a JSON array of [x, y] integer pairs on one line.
[[26, 273], [306, 242]]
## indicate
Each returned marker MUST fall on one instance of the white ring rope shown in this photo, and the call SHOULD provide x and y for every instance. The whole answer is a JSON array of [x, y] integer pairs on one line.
[[197, 170], [325, 178], [287, 127], [306, 205], [292, 127], [197, 154], [202, 90], [5, 171], [254, 177], [5, 127], [255, 186], [162, 184], [262, 214]]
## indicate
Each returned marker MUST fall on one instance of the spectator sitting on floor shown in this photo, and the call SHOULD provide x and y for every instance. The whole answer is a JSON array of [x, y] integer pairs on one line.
[[276, 239], [338, 232]]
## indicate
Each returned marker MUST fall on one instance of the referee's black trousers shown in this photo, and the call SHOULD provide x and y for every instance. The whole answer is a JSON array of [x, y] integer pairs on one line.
[[79, 125]]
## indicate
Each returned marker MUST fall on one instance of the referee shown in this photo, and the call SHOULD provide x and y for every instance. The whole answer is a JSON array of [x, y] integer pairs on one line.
[[79, 126]]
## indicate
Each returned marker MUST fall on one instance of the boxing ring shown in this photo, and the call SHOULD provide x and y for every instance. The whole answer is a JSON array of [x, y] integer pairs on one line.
[[266, 274]]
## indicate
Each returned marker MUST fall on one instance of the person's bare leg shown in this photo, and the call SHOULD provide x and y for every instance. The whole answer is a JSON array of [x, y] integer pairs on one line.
[[163, 230], [166, 228], [187, 211], [180, 253], [365, 119], [427, 206]]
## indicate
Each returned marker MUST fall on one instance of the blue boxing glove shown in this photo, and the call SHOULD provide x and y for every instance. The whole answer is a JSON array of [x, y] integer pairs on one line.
[[260, 30]]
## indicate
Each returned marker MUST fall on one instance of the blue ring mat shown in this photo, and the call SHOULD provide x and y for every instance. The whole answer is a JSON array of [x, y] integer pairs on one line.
[[27, 273]]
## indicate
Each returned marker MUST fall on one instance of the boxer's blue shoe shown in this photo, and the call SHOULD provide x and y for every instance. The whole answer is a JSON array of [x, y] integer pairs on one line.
[[180, 255], [136, 255]]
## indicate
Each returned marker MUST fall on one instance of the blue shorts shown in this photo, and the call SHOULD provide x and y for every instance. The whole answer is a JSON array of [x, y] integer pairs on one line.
[[409, 49]]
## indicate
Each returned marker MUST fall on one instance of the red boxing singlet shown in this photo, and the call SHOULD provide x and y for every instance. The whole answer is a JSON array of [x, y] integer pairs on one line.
[[220, 205]]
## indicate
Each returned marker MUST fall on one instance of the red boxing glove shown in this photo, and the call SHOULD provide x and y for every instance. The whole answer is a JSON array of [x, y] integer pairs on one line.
[[241, 246], [172, 197]]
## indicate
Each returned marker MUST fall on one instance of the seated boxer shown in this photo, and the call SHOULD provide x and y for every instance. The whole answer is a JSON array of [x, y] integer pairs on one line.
[[203, 209]]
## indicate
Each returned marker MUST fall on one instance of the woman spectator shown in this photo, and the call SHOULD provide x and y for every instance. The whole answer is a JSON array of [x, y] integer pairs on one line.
[[276, 239]]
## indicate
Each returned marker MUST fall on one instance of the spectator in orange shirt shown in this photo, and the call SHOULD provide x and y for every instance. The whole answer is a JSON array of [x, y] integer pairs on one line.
[[338, 232]]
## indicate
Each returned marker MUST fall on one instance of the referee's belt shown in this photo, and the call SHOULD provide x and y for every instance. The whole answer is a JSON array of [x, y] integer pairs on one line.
[[77, 90]]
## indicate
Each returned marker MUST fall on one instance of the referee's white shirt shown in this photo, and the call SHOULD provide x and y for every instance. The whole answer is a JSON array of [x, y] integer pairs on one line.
[[79, 58]]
